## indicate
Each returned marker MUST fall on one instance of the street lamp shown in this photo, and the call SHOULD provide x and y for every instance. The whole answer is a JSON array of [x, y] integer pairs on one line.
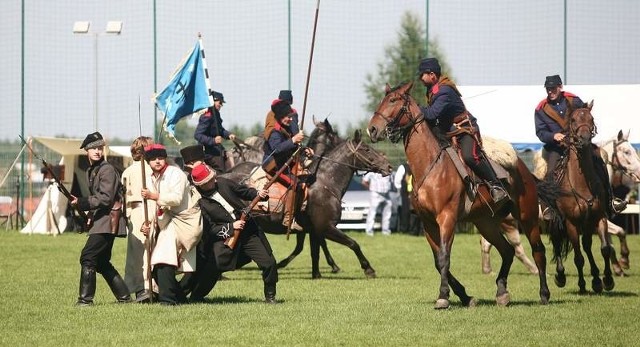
[[82, 27]]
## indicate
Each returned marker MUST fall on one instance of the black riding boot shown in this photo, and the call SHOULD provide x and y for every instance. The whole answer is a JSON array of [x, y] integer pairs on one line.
[[169, 290], [87, 286], [270, 294], [117, 285], [484, 170]]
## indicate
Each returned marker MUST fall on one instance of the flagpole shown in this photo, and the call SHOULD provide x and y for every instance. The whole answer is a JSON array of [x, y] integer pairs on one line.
[[206, 70]]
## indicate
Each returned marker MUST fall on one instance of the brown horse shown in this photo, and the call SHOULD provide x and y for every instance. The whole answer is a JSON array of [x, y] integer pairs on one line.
[[439, 196], [582, 205]]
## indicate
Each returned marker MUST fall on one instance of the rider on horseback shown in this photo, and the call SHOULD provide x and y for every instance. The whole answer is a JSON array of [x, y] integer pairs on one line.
[[448, 116], [279, 147], [551, 117]]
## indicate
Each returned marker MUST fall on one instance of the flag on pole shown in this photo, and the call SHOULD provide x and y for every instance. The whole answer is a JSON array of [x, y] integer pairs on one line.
[[187, 92]]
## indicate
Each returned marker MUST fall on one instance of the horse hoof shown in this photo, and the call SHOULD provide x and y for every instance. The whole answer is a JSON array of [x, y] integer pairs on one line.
[[617, 269], [544, 301], [609, 284], [316, 276], [335, 270], [624, 263], [441, 304], [370, 273], [596, 285], [472, 302], [504, 299], [560, 281]]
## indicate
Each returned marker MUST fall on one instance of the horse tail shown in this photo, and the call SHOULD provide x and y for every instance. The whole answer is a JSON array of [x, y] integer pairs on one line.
[[548, 193], [559, 238]]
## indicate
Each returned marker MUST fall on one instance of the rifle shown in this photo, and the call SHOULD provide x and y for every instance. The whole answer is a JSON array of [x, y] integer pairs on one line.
[[233, 240], [146, 215], [86, 225]]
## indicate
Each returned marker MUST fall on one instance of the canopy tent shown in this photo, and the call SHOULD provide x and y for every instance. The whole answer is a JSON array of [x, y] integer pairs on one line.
[[506, 112], [50, 217]]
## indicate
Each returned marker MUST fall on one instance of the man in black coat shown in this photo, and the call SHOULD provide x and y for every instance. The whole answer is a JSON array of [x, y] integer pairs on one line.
[[104, 202], [221, 205]]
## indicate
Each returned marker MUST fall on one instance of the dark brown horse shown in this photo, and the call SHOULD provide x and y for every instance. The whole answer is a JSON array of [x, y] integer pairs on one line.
[[439, 197], [324, 205], [581, 206]]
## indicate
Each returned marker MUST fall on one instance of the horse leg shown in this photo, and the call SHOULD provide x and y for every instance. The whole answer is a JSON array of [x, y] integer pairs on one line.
[[615, 264], [531, 229], [485, 251], [606, 249], [560, 279], [334, 234], [299, 246], [314, 243], [327, 255], [596, 282], [623, 262], [513, 236], [441, 247], [487, 229], [578, 258]]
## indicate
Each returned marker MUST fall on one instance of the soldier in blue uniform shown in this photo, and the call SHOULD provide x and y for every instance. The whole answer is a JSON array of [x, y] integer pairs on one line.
[[210, 133], [448, 117]]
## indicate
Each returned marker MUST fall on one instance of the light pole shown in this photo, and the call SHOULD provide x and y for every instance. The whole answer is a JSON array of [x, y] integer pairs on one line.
[[113, 27]]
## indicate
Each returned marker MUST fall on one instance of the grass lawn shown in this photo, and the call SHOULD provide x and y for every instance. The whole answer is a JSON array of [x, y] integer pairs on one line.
[[40, 274]]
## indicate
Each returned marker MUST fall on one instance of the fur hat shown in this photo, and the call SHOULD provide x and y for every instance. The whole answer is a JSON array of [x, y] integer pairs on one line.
[[286, 96], [192, 153], [92, 140], [281, 109], [552, 81], [429, 65], [202, 174], [154, 151]]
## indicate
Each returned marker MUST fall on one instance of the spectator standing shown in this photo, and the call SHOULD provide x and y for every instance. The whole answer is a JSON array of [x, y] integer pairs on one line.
[[401, 182], [379, 195]]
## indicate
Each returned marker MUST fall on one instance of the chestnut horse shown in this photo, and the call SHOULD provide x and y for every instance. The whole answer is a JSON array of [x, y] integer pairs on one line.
[[439, 196], [581, 206]]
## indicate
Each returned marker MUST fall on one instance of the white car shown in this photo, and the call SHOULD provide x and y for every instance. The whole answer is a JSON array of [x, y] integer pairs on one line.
[[355, 207]]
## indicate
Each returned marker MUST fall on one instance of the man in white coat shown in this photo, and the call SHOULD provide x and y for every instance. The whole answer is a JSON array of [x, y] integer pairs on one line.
[[178, 224]]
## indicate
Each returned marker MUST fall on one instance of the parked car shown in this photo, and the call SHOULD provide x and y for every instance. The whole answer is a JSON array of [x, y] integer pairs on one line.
[[355, 207]]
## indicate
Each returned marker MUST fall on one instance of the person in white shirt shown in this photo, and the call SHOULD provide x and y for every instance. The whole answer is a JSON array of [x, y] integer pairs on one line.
[[380, 194]]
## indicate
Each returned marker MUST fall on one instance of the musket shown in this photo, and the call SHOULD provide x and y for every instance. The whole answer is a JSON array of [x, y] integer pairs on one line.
[[232, 241], [85, 217], [145, 206], [304, 109]]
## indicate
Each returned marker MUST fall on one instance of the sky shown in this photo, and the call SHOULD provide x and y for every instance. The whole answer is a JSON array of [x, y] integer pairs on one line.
[[497, 42]]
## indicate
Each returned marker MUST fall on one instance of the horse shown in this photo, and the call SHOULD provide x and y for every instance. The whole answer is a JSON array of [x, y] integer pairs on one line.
[[512, 234], [439, 196], [249, 153], [581, 207], [324, 205], [623, 165]]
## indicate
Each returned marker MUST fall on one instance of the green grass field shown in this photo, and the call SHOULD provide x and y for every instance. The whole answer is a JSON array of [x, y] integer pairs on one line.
[[39, 278]]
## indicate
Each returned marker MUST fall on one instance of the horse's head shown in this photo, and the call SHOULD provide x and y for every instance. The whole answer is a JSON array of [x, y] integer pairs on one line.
[[393, 116], [581, 126], [366, 158], [625, 158], [323, 138]]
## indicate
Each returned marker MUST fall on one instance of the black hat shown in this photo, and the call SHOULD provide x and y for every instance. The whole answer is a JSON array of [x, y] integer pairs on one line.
[[280, 108], [217, 96], [428, 65], [286, 96], [155, 151], [92, 140], [192, 153], [552, 81]]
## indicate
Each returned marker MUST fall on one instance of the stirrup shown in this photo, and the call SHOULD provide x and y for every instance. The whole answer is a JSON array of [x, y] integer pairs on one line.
[[547, 214], [618, 205], [498, 193]]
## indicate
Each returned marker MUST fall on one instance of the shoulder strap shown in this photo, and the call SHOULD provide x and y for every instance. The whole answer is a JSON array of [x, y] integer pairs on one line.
[[554, 115]]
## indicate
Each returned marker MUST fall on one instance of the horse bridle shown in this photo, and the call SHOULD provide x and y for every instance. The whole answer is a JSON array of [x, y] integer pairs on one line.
[[615, 162], [356, 156], [393, 130], [593, 129]]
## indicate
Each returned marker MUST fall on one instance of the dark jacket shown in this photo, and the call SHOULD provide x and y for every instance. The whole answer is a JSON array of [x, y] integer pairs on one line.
[[279, 145], [218, 222], [105, 190], [210, 126], [546, 126], [445, 103]]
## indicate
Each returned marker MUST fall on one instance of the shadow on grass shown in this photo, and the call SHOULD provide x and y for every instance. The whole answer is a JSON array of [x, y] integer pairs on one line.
[[230, 300]]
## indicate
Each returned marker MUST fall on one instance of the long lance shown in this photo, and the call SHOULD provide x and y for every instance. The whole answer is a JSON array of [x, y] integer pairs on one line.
[[145, 205], [304, 110]]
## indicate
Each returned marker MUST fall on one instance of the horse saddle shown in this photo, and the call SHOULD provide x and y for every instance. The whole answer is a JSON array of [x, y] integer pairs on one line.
[[277, 192]]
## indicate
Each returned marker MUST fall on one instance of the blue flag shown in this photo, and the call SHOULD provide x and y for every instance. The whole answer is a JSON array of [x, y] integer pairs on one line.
[[187, 92]]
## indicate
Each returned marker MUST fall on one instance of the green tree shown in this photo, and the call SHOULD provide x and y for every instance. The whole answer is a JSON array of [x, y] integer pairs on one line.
[[401, 60]]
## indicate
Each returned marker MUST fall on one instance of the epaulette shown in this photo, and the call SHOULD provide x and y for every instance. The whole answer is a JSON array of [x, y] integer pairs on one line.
[[541, 104], [206, 114]]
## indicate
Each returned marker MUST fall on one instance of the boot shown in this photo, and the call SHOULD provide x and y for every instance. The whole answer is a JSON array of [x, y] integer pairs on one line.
[[497, 192], [270, 294], [289, 211], [485, 171], [618, 205], [87, 286], [117, 285]]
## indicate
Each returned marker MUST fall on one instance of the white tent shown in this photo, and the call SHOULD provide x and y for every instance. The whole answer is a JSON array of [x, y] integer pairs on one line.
[[506, 112], [50, 215]]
